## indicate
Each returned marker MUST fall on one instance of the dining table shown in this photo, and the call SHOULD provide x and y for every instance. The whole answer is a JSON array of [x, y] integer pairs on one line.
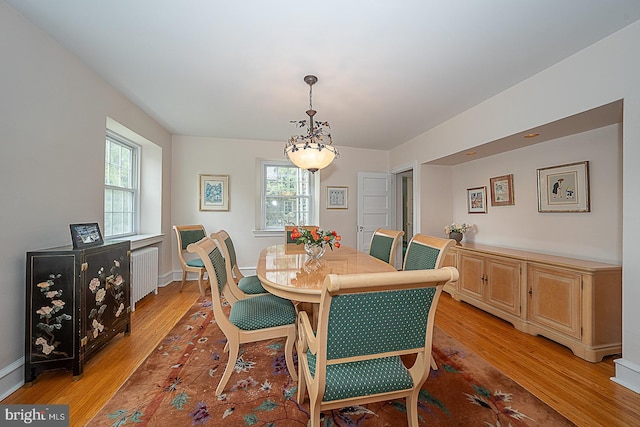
[[294, 276]]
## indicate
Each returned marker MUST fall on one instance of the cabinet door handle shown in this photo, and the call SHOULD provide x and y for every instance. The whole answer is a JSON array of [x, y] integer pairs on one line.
[[530, 292]]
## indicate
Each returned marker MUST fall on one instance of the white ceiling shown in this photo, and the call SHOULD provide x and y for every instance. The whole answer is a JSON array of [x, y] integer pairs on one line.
[[388, 70]]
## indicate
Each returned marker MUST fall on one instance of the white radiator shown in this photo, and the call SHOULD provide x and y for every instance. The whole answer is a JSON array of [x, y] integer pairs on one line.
[[144, 274]]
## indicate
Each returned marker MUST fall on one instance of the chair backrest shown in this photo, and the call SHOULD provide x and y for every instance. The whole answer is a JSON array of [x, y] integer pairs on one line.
[[230, 286], [214, 263], [384, 243], [187, 234], [290, 245], [426, 252], [229, 251], [375, 315]]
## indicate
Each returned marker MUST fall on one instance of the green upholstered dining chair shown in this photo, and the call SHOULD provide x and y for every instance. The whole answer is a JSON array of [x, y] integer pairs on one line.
[[426, 252], [187, 234], [366, 324], [240, 286], [249, 320], [249, 285], [384, 243]]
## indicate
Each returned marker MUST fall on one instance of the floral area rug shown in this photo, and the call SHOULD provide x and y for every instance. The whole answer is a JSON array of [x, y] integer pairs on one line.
[[175, 386]]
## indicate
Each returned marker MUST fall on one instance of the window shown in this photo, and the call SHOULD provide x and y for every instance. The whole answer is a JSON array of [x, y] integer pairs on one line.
[[120, 187], [288, 196]]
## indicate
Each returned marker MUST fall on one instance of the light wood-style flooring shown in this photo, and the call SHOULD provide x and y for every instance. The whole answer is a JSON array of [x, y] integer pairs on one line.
[[579, 390]]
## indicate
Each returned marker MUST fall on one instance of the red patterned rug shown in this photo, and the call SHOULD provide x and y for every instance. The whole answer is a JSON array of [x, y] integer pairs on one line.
[[175, 386]]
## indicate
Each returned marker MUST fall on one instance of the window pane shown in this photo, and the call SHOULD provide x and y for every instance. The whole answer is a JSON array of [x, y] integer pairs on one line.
[[120, 193], [108, 224], [117, 223], [117, 201], [118, 165], [286, 197]]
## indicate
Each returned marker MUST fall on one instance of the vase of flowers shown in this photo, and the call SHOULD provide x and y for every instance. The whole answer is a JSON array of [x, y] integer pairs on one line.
[[456, 231], [315, 241], [314, 251]]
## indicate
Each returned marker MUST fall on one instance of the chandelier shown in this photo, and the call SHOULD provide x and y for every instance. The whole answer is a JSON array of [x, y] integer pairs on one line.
[[314, 150]]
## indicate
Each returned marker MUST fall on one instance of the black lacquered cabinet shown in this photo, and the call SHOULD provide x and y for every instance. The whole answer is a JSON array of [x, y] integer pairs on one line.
[[77, 301]]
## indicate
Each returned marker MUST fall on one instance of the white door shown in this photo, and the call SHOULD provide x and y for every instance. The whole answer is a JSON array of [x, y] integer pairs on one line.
[[376, 205]]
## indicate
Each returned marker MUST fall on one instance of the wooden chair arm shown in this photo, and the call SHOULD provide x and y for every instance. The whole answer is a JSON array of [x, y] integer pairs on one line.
[[306, 337], [394, 279]]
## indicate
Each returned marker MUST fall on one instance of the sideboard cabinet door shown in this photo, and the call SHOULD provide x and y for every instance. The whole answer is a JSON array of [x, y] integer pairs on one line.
[[106, 297], [492, 282], [503, 284], [471, 281], [555, 299]]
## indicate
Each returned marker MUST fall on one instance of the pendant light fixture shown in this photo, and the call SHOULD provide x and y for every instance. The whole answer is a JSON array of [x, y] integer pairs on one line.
[[314, 150]]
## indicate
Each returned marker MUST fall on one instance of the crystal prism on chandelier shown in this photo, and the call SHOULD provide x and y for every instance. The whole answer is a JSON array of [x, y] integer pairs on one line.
[[314, 150]]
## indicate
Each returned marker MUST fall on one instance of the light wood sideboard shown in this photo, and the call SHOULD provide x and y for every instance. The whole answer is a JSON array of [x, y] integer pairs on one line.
[[577, 303]]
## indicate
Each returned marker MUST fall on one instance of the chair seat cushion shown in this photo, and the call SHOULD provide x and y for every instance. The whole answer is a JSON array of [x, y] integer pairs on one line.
[[264, 311], [363, 378], [195, 263], [251, 285]]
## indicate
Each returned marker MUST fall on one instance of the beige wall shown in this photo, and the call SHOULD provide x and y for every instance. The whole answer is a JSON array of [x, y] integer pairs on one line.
[[237, 158], [53, 113], [595, 235], [602, 73]]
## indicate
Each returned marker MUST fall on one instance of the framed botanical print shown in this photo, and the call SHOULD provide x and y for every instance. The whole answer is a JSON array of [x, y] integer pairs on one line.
[[477, 200], [502, 190], [214, 192], [564, 188], [337, 198]]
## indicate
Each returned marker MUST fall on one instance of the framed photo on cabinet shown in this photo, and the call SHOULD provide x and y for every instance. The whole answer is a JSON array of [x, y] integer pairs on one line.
[[477, 199], [337, 198], [564, 188], [502, 190], [214, 192], [85, 235]]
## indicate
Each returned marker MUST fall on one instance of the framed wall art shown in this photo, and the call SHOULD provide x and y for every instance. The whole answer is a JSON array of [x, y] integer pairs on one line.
[[564, 188], [214, 192], [502, 190], [85, 235], [477, 199], [337, 198]]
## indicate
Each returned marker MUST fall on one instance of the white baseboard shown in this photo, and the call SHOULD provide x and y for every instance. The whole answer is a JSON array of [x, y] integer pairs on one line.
[[11, 378], [627, 374], [167, 278]]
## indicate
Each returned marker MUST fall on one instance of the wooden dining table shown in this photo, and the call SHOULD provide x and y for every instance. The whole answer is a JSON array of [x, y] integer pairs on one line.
[[295, 277]]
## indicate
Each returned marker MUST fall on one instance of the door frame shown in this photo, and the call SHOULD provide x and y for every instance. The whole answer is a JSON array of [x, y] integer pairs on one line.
[[397, 171]]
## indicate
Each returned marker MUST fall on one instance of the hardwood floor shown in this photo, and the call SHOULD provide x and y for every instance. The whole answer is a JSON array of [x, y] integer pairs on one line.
[[579, 390], [105, 372]]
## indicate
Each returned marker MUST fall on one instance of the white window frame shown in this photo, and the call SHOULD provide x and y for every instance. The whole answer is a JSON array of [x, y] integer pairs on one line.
[[135, 173], [314, 186]]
